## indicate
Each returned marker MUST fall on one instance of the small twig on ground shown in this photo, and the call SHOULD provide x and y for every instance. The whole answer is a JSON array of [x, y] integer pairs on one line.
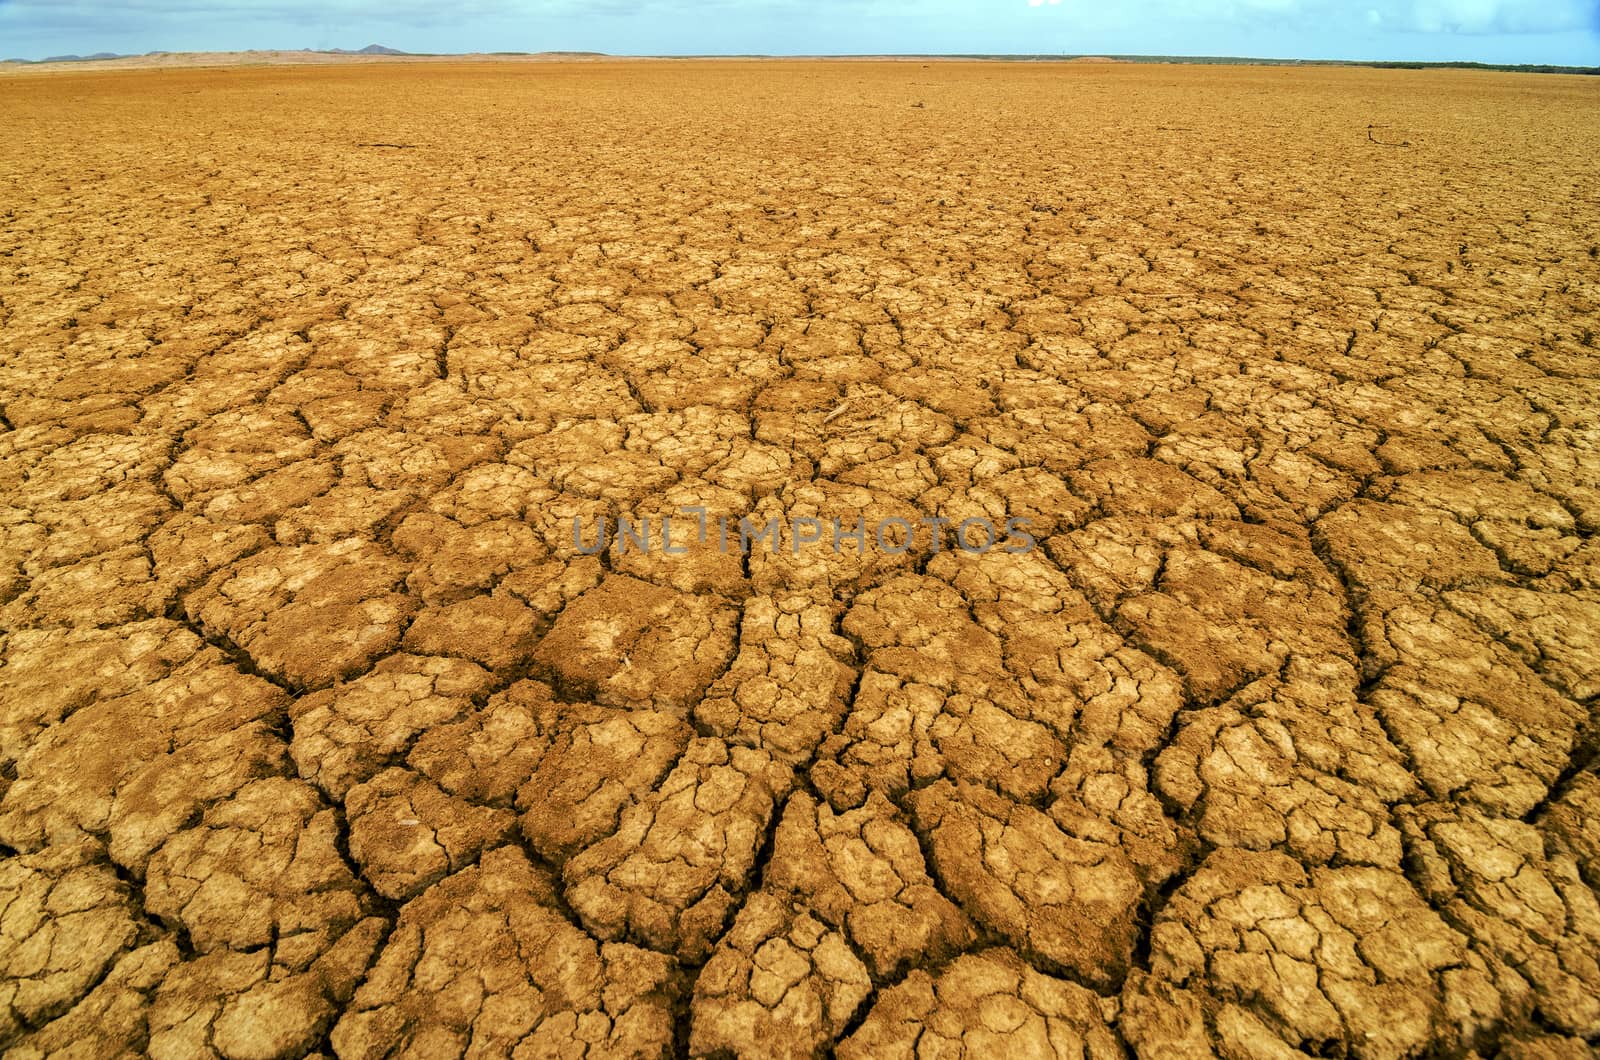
[[401, 146], [1384, 143]]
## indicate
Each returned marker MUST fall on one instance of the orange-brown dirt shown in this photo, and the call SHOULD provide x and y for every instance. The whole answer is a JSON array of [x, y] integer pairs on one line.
[[319, 735]]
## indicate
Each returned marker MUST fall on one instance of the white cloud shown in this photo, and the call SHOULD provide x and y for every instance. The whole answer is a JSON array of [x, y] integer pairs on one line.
[[1420, 16]]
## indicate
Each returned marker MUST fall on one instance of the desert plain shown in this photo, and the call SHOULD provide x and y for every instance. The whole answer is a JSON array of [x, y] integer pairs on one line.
[[321, 735]]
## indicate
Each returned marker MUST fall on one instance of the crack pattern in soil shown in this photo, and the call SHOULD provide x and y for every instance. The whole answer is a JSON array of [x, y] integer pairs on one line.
[[320, 734]]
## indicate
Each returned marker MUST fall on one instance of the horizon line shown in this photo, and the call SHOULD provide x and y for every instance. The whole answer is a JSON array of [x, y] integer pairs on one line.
[[1040, 57]]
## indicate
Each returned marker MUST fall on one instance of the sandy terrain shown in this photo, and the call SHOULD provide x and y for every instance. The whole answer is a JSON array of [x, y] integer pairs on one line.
[[320, 734], [286, 57]]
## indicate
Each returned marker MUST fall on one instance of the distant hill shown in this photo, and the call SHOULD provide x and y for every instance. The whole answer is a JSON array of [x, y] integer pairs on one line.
[[76, 58], [371, 49]]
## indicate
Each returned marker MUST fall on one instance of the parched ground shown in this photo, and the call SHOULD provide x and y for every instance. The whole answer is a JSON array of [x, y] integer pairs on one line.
[[318, 734]]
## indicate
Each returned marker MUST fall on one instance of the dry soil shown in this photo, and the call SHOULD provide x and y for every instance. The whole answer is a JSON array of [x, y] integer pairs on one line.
[[318, 734]]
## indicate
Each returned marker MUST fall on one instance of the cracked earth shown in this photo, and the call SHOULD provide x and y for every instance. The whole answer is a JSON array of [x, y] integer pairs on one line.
[[318, 735]]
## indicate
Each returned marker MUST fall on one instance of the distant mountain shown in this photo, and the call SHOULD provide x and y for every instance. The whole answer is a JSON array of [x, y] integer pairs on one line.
[[371, 49], [80, 58]]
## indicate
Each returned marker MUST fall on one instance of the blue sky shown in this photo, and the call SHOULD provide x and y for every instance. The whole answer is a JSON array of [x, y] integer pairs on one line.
[[1514, 31]]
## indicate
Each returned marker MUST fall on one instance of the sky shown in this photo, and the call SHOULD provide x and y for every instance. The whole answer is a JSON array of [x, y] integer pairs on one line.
[[1565, 32]]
